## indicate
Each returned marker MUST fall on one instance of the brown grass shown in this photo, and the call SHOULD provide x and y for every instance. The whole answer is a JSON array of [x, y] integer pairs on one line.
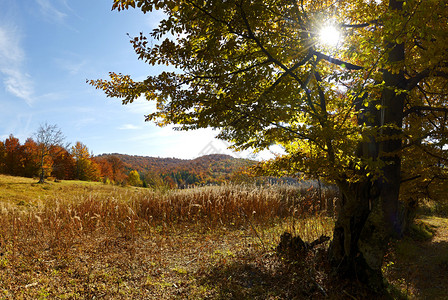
[[74, 240]]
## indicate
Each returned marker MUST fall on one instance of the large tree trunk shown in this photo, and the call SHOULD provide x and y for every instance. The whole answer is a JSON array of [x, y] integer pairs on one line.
[[369, 212], [367, 219], [359, 238]]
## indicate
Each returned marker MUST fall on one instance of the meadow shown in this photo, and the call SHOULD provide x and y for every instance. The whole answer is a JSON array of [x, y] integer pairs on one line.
[[81, 240], [77, 240]]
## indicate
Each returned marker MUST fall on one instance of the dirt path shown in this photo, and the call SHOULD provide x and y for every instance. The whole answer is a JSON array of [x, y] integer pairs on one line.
[[420, 268]]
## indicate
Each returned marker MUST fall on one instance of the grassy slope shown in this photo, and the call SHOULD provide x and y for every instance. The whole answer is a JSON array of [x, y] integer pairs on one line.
[[26, 191]]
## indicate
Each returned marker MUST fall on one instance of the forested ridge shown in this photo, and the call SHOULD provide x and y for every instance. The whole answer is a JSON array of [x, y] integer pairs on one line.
[[207, 169], [216, 162]]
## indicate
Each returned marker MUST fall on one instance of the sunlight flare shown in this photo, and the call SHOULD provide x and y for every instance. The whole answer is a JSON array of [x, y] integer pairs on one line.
[[329, 35]]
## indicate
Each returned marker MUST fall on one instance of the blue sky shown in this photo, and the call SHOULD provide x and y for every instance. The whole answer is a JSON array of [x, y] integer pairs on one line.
[[48, 48]]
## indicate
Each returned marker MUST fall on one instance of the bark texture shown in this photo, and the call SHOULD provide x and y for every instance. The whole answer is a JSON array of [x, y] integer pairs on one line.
[[359, 238]]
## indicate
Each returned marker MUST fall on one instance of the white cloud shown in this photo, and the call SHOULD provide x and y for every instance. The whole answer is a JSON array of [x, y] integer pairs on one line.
[[19, 84], [50, 12], [9, 46], [72, 67], [12, 56], [129, 127]]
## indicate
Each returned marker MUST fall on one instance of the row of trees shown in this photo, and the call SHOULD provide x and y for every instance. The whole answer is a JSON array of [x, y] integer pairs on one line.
[[45, 155], [35, 158]]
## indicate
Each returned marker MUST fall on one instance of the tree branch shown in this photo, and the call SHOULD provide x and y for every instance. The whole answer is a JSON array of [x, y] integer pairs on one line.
[[229, 26], [414, 81], [294, 67], [276, 61], [323, 107], [259, 118], [230, 73], [362, 25], [411, 178], [338, 62], [419, 109], [432, 154]]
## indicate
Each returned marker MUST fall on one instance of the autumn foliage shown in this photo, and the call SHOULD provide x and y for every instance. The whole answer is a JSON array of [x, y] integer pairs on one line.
[[77, 162], [157, 172], [74, 163]]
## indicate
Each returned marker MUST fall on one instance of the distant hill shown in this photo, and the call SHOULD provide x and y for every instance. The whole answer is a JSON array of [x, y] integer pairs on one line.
[[213, 168]]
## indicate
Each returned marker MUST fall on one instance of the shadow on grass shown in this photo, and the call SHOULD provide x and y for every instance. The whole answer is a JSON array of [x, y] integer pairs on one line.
[[250, 281], [434, 282], [427, 270], [275, 278], [421, 266]]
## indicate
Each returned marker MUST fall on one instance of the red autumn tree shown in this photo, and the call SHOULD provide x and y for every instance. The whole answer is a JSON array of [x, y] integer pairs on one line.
[[63, 163], [13, 156], [105, 168], [30, 161], [2, 157], [117, 165]]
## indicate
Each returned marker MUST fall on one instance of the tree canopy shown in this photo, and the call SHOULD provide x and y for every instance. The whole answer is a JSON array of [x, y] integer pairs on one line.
[[369, 113], [257, 71]]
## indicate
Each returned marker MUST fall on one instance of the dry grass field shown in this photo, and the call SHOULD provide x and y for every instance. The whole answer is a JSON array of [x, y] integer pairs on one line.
[[78, 240]]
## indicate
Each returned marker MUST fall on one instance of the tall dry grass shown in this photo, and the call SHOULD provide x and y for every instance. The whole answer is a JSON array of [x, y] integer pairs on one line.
[[85, 241], [60, 220]]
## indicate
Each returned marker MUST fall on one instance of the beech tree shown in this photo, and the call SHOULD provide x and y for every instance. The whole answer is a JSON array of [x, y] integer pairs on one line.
[[369, 114], [105, 168]]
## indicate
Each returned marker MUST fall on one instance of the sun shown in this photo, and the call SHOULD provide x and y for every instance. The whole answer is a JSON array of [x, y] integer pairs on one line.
[[329, 35]]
